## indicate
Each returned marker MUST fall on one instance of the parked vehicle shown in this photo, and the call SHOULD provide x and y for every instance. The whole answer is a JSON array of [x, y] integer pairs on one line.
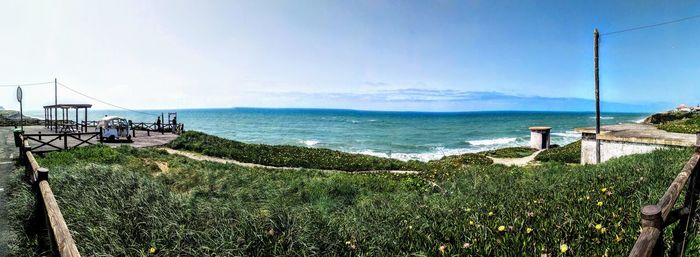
[[114, 128]]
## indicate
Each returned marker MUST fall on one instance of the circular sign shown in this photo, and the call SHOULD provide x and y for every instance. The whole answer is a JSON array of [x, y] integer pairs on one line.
[[19, 94]]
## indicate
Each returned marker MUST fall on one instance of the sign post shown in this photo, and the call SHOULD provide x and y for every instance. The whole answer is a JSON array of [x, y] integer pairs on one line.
[[21, 114]]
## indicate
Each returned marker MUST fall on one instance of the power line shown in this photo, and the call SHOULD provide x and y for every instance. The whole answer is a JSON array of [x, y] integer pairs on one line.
[[26, 84], [107, 103], [652, 25]]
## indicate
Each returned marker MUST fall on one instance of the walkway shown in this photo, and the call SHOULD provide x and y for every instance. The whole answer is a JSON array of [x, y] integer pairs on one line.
[[516, 161]]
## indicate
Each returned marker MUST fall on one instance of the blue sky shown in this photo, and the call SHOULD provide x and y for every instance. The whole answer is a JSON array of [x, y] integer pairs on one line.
[[386, 55]]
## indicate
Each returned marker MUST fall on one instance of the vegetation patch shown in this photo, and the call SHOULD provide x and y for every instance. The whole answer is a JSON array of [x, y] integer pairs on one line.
[[570, 153], [689, 126], [117, 202], [305, 157], [510, 152], [678, 122]]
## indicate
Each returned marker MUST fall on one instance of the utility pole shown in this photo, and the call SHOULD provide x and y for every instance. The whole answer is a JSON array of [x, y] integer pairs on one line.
[[596, 38]]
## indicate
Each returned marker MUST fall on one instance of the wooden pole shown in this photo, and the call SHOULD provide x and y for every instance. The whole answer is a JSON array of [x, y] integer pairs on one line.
[[596, 38], [86, 120], [55, 102]]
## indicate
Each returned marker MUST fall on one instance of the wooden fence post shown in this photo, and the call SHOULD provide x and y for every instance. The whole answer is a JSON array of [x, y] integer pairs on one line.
[[42, 174], [101, 135], [65, 140], [651, 218]]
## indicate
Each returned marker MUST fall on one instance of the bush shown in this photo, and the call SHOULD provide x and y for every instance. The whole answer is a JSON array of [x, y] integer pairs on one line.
[[510, 152], [462, 160], [570, 153], [302, 157]]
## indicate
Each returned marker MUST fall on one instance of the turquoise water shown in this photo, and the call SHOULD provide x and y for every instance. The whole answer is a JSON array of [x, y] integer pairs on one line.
[[401, 135]]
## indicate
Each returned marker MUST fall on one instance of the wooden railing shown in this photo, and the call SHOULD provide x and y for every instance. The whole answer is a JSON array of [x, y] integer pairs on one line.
[[655, 218], [153, 127], [59, 141], [62, 243]]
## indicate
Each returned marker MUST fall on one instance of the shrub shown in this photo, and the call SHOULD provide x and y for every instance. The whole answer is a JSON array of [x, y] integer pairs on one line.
[[304, 157], [510, 152], [570, 153]]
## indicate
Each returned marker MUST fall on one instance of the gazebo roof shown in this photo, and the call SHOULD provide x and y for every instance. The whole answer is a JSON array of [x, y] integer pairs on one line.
[[68, 106]]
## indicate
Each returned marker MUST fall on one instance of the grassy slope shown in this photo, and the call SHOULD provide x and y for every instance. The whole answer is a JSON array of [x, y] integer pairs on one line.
[[510, 152], [305, 157], [679, 122], [117, 203], [570, 153]]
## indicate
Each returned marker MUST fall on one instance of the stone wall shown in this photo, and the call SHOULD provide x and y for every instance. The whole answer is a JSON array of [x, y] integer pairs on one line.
[[612, 149]]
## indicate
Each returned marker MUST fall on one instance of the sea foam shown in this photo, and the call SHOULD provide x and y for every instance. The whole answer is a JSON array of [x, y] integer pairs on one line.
[[496, 141]]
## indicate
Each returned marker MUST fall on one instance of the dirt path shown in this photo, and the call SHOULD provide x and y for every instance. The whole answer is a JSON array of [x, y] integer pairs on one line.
[[516, 161], [200, 157], [7, 152]]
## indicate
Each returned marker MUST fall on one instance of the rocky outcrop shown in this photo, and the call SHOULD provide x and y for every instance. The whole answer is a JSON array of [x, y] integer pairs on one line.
[[663, 117]]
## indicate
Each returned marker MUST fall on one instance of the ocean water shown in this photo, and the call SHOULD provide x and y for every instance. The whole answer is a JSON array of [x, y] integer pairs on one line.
[[401, 135]]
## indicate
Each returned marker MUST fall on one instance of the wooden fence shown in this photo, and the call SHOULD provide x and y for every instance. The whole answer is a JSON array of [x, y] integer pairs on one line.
[[59, 141], [154, 127], [62, 243], [655, 218]]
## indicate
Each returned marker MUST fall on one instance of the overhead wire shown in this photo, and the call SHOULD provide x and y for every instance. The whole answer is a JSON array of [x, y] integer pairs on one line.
[[27, 84], [651, 25], [105, 102]]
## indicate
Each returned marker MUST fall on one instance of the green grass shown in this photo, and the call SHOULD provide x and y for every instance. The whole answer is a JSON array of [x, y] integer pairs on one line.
[[689, 126], [570, 153], [679, 122], [510, 152], [117, 202], [287, 155]]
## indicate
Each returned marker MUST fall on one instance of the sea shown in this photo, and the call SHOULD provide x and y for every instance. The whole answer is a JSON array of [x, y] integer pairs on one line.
[[402, 135]]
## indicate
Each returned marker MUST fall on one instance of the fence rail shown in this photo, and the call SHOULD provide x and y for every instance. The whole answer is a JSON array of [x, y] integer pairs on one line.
[[655, 218], [50, 141], [62, 243]]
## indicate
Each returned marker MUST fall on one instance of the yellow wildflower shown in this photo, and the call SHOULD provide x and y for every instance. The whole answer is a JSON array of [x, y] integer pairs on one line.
[[528, 230], [152, 250], [598, 226], [471, 222], [618, 238], [563, 248], [490, 213], [602, 230], [604, 189], [501, 228], [600, 203]]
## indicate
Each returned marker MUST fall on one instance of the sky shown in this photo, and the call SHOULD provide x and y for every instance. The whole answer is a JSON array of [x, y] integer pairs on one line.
[[371, 55]]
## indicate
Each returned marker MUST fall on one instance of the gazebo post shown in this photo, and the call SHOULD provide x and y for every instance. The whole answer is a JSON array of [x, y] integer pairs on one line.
[[86, 120], [77, 125]]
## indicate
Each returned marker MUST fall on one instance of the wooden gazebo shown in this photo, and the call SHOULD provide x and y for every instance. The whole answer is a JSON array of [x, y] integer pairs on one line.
[[63, 123]]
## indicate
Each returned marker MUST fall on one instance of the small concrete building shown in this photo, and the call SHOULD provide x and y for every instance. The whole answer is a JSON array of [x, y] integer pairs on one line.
[[539, 137], [626, 139]]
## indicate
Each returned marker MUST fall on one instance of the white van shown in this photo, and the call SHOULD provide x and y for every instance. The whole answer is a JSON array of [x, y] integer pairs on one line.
[[114, 128]]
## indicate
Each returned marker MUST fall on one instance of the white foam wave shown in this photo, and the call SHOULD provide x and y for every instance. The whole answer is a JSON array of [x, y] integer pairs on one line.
[[604, 117], [309, 142], [570, 133], [436, 154], [496, 141]]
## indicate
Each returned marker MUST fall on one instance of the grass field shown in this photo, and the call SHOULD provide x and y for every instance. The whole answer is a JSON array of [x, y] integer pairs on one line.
[[570, 153], [128, 202]]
